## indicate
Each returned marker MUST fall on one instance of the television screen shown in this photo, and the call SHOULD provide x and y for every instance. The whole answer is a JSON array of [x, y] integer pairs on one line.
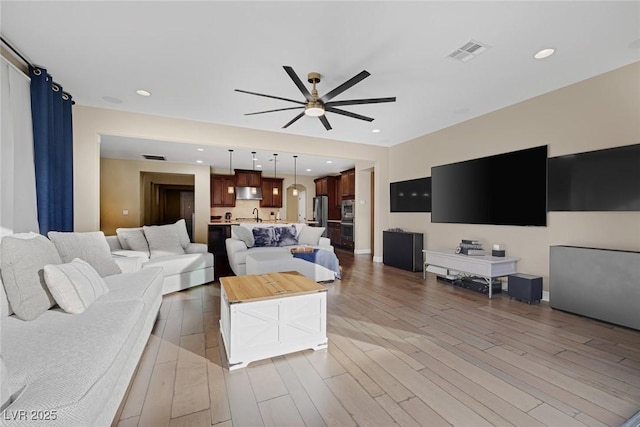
[[505, 189], [603, 180], [411, 196]]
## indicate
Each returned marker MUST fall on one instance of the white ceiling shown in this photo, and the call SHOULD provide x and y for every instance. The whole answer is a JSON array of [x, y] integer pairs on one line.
[[192, 55]]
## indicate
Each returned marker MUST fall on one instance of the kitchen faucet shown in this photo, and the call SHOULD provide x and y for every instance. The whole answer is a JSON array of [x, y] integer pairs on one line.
[[255, 211]]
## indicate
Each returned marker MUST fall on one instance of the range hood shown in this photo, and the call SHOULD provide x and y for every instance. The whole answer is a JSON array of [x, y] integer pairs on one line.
[[248, 193]]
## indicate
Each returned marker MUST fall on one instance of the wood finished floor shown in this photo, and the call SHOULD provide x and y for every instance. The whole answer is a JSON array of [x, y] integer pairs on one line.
[[401, 352]]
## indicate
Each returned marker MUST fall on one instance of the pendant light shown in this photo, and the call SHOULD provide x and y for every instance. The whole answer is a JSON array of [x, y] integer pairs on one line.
[[295, 176], [231, 188], [275, 172], [254, 190]]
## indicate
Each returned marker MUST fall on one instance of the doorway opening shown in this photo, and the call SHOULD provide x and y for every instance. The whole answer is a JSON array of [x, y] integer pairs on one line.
[[296, 205], [167, 198]]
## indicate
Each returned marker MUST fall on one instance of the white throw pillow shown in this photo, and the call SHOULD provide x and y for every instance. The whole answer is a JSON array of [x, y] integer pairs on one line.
[[122, 232], [75, 285], [90, 246], [310, 235], [22, 258], [136, 241], [244, 234], [181, 229], [163, 240]]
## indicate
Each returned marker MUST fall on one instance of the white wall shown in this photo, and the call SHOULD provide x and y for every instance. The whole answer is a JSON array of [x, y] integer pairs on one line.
[[598, 113]]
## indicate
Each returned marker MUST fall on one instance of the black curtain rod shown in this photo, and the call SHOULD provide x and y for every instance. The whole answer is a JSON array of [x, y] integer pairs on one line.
[[15, 51]]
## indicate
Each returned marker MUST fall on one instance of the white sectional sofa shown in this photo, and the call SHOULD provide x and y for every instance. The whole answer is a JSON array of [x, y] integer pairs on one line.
[[66, 368], [185, 264], [242, 244]]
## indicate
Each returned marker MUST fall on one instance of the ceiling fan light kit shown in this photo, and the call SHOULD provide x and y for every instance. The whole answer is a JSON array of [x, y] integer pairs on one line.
[[317, 106]]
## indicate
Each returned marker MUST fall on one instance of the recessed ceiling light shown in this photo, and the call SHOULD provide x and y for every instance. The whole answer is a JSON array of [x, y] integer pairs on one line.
[[308, 170], [329, 161], [544, 53], [200, 149], [143, 92], [375, 130], [198, 161]]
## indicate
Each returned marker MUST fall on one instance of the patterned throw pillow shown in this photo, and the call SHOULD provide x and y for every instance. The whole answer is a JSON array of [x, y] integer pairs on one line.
[[264, 237], [286, 236]]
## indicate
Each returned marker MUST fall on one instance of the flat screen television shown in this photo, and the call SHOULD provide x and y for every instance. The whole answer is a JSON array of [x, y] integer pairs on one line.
[[505, 189], [413, 195], [602, 180]]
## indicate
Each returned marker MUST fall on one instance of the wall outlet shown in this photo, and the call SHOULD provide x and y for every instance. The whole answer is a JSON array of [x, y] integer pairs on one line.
[[125, 212]]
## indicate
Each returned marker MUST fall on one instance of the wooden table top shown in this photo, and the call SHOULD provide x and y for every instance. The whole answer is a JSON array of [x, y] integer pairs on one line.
[[257, 287]]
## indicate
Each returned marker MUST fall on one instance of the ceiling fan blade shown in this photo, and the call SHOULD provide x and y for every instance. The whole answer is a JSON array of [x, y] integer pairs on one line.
[[298, 82], [325, 122], [272, 111], [344, 86], [270, 96], [293, 120], [348, 114], [360, 101]]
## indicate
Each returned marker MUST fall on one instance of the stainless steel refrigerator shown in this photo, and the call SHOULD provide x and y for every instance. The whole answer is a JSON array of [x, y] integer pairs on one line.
[[321, 212]]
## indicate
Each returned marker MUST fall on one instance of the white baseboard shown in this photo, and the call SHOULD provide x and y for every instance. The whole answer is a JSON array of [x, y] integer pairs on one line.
[[361, 251], [377, 259]]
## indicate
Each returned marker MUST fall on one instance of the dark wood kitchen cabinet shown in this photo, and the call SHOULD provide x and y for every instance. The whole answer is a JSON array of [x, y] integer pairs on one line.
[[220, 196], [218, 234], [248, 178], [348, 184], [334, 234], [269, 199]]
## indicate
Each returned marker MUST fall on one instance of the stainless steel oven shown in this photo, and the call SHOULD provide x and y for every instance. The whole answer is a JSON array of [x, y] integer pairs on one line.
[[346, 231], [347, 210]]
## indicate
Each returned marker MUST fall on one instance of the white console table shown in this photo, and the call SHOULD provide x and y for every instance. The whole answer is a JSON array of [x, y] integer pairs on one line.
[[485, 266]]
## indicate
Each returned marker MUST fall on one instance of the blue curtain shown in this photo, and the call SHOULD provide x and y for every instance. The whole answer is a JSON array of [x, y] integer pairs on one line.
[[53, 152]]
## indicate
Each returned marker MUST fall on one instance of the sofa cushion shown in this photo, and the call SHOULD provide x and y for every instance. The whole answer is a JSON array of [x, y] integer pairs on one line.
[[22, 259], [163, 240], [181, 228], [122, 233], [81, 350], [91, 247], [144, 285], [310, 235], [177, 264], [242, 233], [5, 307], [11, 388], [136, 241], [75, 285]]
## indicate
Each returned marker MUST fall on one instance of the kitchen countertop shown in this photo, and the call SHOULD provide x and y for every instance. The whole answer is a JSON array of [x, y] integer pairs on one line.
[[239, 221]]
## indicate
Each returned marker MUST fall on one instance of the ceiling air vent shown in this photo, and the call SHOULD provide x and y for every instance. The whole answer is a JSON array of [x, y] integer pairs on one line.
[[154, 157], [468, 51]]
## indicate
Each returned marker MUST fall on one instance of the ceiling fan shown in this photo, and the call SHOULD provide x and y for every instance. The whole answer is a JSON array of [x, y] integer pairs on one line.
[[317, 106]]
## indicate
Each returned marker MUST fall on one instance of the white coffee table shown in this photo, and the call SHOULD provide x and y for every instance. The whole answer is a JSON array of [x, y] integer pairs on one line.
[[279, 261], [268, 315]]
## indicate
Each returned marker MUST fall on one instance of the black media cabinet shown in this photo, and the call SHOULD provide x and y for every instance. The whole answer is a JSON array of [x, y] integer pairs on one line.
[[402, 250]]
